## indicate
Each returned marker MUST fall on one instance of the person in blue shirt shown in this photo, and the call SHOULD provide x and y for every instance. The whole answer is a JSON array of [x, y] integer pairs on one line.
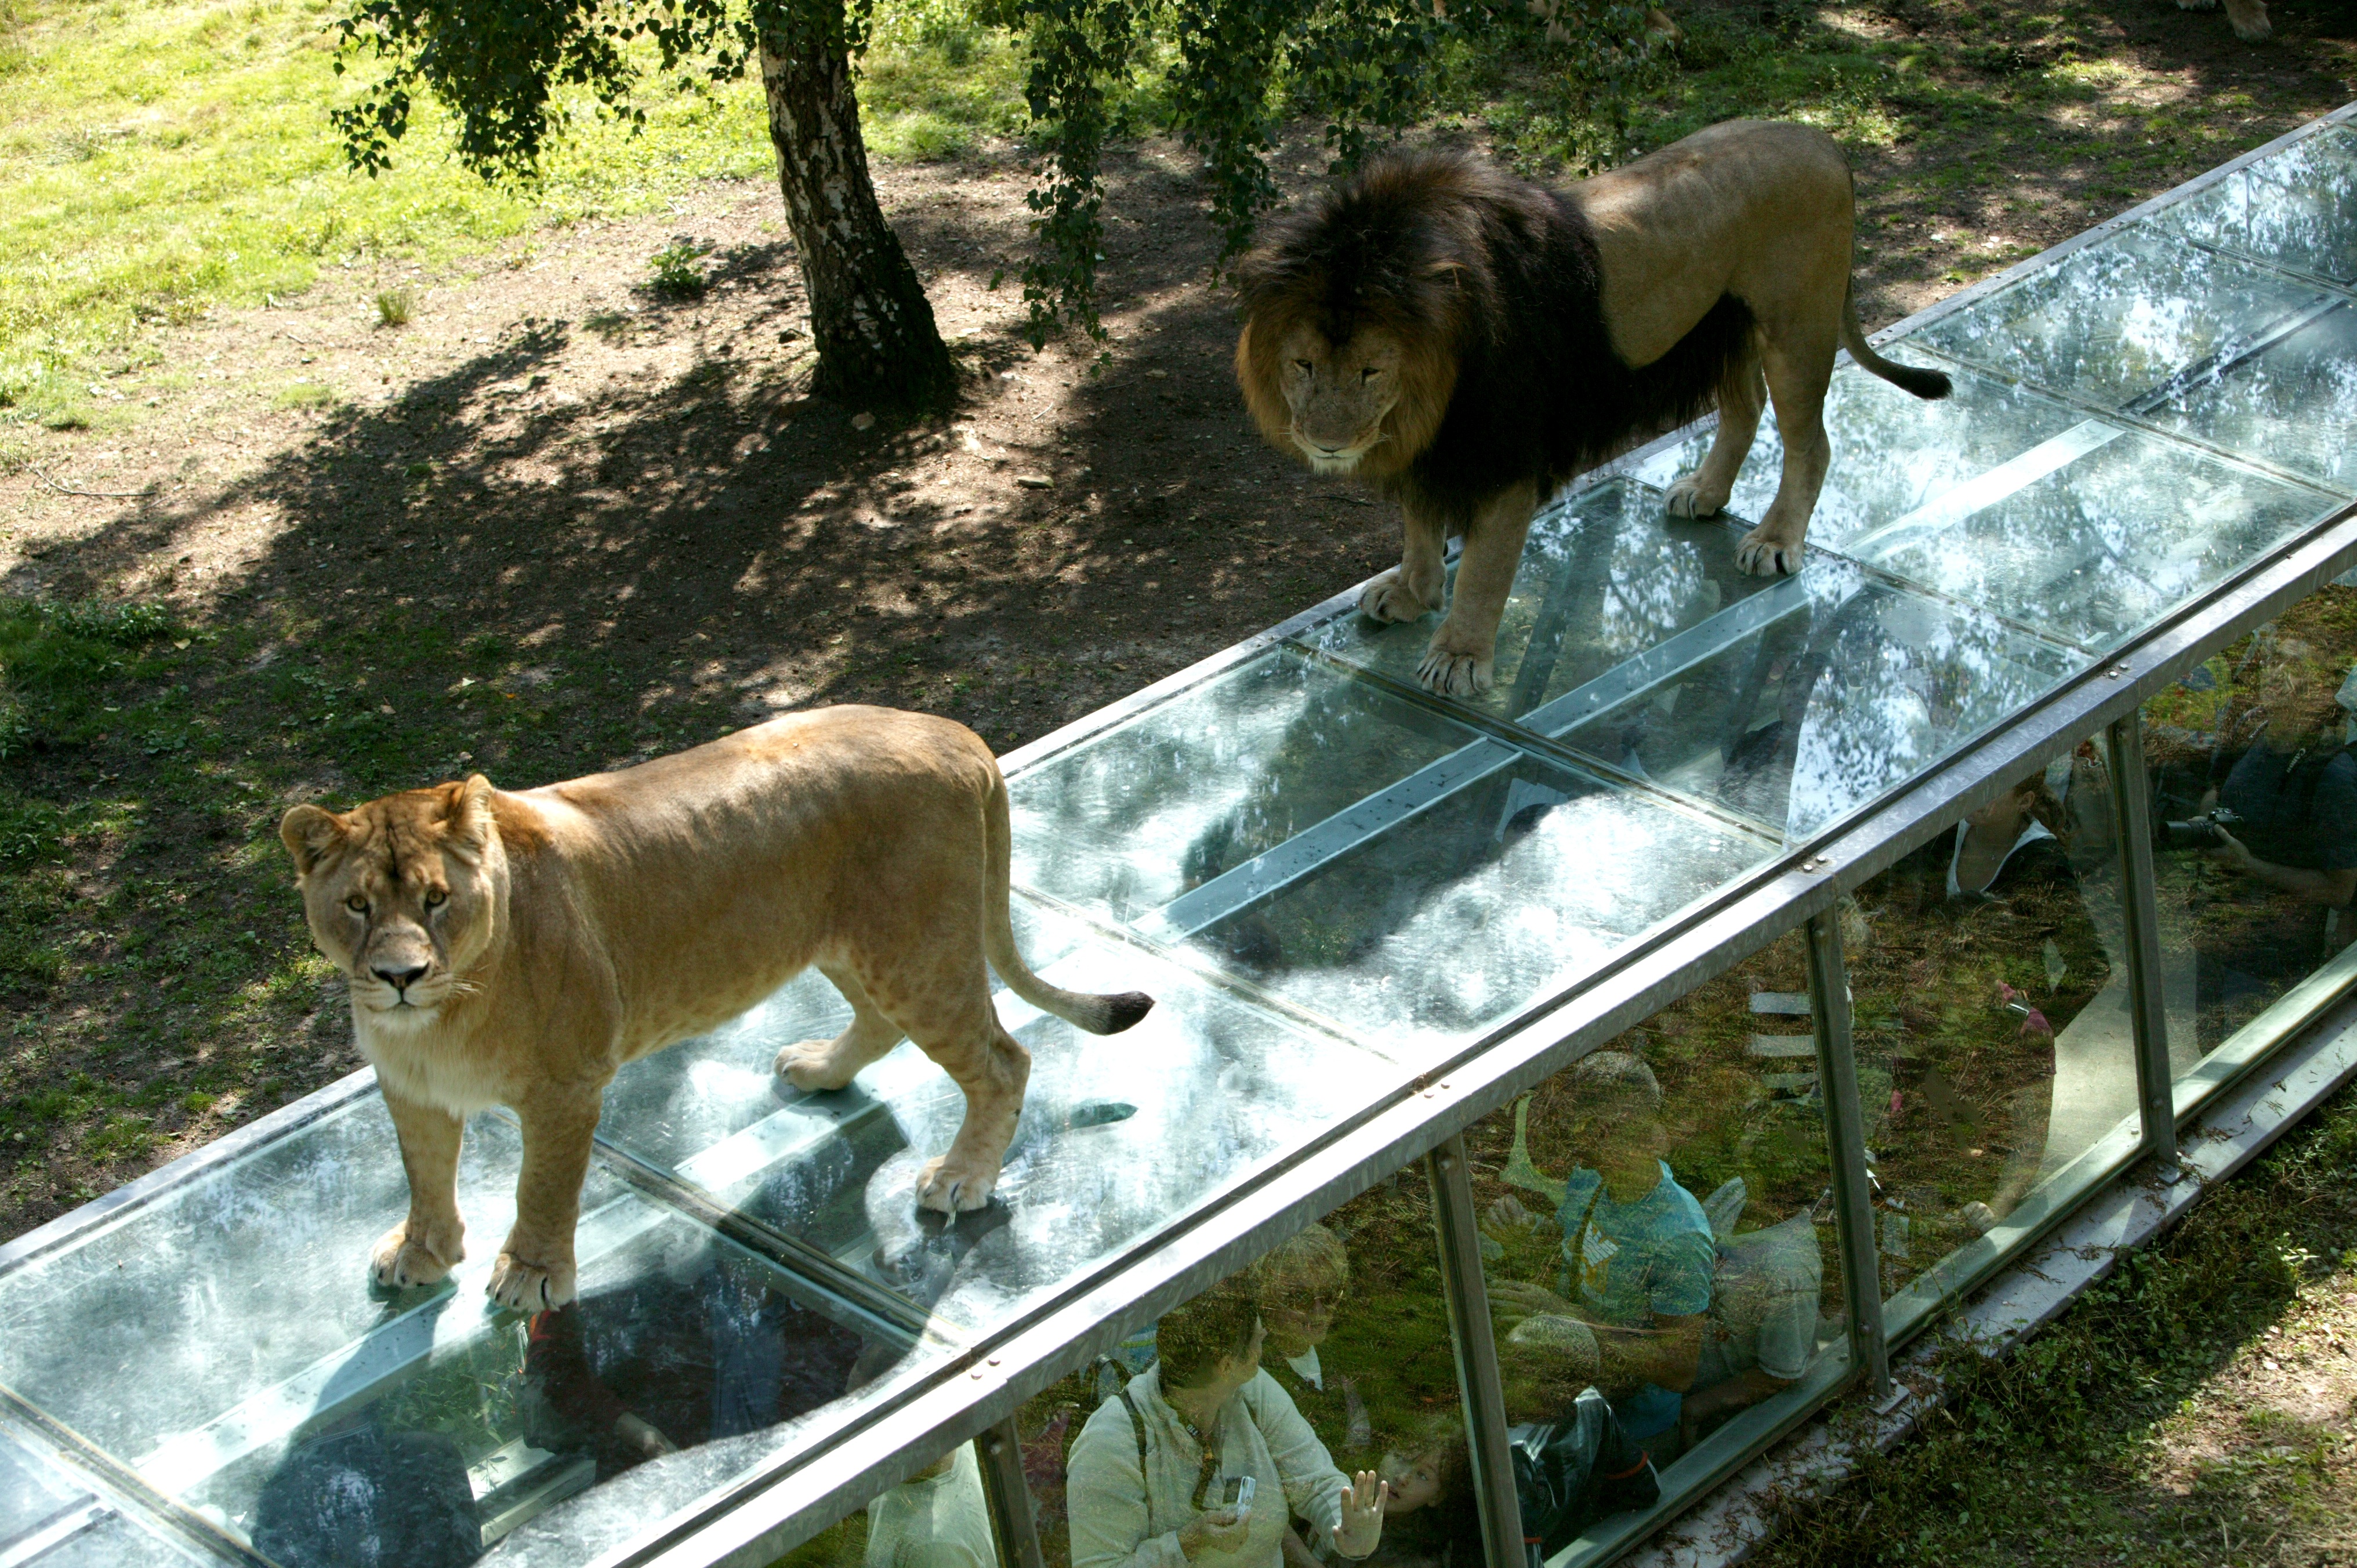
[[1631, 1284]]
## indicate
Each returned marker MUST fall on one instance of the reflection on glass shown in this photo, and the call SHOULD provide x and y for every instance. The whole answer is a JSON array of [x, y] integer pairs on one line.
[[1992, 1014], [2298, 208], [1302, 1410], [1655, 1219], [1893, 453], [2118, 320], [1604, 576], [1793, 721], [1130, 819], [2255, 819], [1539, 870], [2293, 405], [1117, 1136], [2120, 529], [939, 1517]]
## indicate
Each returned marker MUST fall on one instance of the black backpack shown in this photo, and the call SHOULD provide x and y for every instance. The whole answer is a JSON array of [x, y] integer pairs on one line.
[[1570, 1472]]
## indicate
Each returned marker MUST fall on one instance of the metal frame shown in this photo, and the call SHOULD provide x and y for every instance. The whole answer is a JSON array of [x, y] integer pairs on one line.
[[2148, 1011], [847, 1457], [1861, 1254], [1480, 1394]]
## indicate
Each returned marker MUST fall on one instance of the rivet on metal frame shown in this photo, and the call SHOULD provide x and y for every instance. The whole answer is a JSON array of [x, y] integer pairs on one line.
[[2117, 671]]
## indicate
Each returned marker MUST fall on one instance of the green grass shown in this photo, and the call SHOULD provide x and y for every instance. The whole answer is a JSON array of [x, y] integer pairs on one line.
[[2051, 1456], [160, 159]]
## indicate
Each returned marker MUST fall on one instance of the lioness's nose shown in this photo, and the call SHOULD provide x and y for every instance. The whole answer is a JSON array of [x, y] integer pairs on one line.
[[401, 979]]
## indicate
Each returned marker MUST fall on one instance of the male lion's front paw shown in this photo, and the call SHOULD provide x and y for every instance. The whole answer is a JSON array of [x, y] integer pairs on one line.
[[402, 1260], [1453, 674], [523, 1286], [817, 1066], [1687, 498], [951, 1185], [1389, 598], [1764, 553]]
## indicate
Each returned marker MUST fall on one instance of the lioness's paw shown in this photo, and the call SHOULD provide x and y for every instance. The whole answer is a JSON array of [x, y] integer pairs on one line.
[[951, 1185], [401, 1260], [1766, 555], [1686, 497], [815, 1066], [1453, 674], [521, 1287], [1388, 598]]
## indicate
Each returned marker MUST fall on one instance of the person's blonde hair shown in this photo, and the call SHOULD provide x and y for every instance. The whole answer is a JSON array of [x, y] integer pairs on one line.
[[1316, 1254]]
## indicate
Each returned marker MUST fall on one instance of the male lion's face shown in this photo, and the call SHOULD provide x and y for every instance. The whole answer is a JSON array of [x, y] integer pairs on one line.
[[1338, 394], [397, 894]]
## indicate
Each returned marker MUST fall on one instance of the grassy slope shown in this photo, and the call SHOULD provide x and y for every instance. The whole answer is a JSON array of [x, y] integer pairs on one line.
[[2191, 1412]]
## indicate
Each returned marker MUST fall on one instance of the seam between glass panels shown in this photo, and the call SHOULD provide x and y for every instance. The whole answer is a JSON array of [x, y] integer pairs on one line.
[[2301, 275], [165, 1512], [2142, 424]]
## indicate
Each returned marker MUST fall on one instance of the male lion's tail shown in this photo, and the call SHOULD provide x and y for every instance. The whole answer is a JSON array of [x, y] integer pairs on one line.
[[1097, 1015], [1921, 382]]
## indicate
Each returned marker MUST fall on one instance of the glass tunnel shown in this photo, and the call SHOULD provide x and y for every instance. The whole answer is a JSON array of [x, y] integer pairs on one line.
[[1562, 1092]]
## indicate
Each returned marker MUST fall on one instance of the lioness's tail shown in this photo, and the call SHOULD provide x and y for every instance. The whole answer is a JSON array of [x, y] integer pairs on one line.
[[1921, 382], [1097, 1015]]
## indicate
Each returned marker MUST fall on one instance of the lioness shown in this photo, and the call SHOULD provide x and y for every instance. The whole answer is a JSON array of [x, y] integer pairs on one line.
[[518, 948], [1470, 341]]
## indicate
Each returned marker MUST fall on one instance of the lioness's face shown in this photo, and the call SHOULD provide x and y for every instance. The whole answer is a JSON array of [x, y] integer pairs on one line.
[[397, 894], [1339, 393]]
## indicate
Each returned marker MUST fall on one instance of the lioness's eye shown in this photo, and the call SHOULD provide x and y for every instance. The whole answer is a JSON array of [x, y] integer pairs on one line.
[[356, 904], [1303, 366], [436, 897], [1370, 373]]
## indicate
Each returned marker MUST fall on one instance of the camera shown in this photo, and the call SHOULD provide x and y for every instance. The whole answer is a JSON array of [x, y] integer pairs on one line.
[[2197, 832], [1234, 1494]]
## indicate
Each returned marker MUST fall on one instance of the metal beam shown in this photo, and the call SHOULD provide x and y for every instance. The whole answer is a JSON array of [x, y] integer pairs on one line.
[[1001, 1451], [2139, 899], [1481, 1395], [1846, 1135]]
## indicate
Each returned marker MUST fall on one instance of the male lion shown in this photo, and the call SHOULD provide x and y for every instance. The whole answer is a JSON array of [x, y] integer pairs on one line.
[[518, 948], [1470, 341]]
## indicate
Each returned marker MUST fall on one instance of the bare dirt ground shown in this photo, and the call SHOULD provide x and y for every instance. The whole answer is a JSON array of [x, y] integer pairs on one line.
[[558, 522]]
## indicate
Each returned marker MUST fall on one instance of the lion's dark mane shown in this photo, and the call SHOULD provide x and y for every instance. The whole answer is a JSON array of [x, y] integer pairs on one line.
[[1507, 273]]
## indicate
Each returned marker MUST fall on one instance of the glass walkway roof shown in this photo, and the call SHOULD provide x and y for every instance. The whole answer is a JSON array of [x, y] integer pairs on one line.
[[1341, 891]]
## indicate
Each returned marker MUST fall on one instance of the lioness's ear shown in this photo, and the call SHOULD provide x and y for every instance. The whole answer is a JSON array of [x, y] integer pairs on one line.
[[468, 813], [309, 833]]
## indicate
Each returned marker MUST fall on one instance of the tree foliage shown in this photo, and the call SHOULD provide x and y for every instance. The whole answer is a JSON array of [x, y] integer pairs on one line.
[[1238, 68]]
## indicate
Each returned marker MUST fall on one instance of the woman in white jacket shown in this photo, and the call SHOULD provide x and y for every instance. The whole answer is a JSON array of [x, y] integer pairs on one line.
[[1152, 1466]]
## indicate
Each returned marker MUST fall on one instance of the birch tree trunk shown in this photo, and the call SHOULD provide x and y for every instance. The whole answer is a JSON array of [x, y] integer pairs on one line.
[[870, 319]]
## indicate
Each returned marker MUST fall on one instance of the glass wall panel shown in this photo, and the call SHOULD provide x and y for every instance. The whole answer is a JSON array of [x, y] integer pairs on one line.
[[1117, 1136], [2254, 813], [1996, 1063], [1662, 1267], [2297, 210], [1321, 1370], [1792, 724], [939, 1517], [1602, 579]]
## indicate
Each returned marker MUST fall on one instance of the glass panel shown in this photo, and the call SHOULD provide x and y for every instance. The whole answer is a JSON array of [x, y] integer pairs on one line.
[[112, 1541], [257, 1393], [2254, 813], [1133, 818], [1540, 870], [2093, 549], [1794, 720], [939, 1517], [1117, 1136], [2294, 404], [2298, 208], [1989, 972], [1661, 1260], [1893, 453], [1605, 575], [1325, 1361], [2116, 320]]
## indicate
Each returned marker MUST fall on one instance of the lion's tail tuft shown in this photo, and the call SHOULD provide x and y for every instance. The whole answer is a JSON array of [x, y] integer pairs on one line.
[[1082, 1009], [1926, 384]]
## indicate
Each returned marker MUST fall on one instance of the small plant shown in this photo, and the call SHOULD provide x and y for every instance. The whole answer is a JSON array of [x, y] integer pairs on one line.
[[395, 306], [679, 270]]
